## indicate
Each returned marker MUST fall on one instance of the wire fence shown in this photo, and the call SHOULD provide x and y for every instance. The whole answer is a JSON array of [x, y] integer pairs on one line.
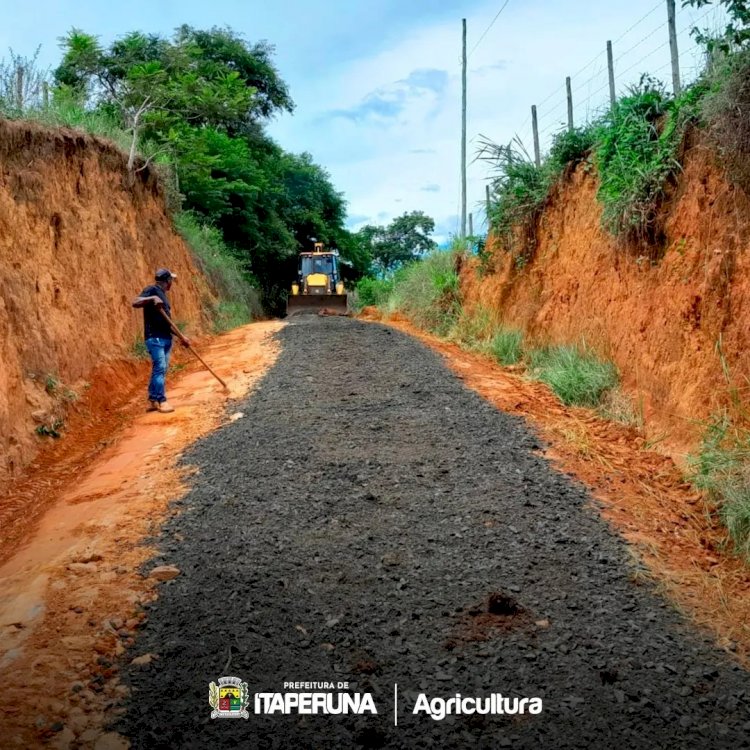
[[642, 48]]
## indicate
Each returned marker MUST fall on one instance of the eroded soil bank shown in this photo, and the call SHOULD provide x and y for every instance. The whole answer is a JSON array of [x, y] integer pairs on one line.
[[675, 321], [360, 536], [79, 238]]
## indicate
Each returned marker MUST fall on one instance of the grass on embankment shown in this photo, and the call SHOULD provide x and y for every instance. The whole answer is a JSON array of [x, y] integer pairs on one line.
[[576, 376], [239, 302], [722, 468]]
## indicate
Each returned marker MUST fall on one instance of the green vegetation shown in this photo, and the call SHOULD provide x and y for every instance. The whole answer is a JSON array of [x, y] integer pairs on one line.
[[569, 147], [404, 240], [576, 376], [53, 429], [193, 108], [518, 191], [239, 302], [51, 383], [139, 350], [722, 468], [633, 147], [372, 291], [737, 31], [506, 346], [472, 330], [725, 110], [636, 156], [426, 291]]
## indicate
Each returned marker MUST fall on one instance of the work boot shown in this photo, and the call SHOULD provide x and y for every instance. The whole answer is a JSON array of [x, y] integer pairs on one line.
[[165, 408], [153, 406]]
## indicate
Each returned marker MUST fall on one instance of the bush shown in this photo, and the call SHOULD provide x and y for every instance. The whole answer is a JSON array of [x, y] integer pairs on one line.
[[427, 292], [519, 189], [725, 109], [722, 468], [506, 346], [577, 377], [370, 291], [239, 301], [569, 147], [636, 156]]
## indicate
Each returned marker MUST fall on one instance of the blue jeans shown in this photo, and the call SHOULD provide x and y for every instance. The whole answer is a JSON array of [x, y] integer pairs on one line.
[[159, 349]]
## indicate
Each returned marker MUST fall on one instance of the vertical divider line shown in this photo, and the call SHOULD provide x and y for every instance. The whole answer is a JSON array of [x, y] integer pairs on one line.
[[395, 704]]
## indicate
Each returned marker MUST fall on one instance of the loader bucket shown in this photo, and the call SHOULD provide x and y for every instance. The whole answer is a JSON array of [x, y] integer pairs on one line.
[[298, 304]]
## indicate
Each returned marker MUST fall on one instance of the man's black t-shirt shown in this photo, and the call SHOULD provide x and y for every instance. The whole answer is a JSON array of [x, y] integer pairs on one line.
[[154, 325]]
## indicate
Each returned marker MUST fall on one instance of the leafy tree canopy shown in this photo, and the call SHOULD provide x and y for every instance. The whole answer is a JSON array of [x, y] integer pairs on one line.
[[403, 240], [200, 100], [737, 32]]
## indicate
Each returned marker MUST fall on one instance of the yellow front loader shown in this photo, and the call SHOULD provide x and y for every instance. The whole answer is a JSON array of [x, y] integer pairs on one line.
[[319, 284]]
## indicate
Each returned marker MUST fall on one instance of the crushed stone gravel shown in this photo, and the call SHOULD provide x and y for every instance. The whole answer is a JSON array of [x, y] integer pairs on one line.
[[371, 520]]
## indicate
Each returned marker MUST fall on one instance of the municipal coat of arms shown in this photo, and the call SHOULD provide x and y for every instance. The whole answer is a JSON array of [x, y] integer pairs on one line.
[[229, 699]]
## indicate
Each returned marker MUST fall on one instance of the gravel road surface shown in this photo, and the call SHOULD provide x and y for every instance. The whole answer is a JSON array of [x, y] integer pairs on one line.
[[371, 521]]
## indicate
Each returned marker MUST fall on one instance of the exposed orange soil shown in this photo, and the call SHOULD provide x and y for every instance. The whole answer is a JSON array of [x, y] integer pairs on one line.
[[71, 596], [671, 326], [78, 240], [642, 494]]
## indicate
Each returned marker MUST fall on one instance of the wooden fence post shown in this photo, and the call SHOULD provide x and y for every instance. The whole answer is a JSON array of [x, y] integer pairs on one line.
[[676, 87], [611, 69], [19, 89]]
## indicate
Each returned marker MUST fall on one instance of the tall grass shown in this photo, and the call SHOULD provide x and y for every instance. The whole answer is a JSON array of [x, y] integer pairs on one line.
[[370, 291], [636, 156], [576, 376], [634, 147], [478, 331], [472, 329], [506, 346], [518, 189], [726, 109], [722, 468], [239, 301], [427, 292]]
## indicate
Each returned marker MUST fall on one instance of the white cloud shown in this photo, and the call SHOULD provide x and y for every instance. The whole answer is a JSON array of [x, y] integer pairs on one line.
[[395, 135]]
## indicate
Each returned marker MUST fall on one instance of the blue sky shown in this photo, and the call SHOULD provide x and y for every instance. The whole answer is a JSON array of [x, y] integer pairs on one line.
[[377, 83]]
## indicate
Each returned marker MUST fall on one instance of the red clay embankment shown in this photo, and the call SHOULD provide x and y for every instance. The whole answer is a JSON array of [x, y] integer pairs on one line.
[[666, 324], [78, 240]]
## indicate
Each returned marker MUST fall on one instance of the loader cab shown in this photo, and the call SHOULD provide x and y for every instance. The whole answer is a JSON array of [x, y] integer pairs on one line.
[[319, 270], [324, 263]]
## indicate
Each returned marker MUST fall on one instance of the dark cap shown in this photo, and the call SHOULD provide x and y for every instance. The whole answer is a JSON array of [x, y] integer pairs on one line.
[[164, 274]]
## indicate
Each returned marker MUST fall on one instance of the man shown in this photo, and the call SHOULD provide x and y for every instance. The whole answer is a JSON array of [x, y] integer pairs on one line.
[[157, 333]]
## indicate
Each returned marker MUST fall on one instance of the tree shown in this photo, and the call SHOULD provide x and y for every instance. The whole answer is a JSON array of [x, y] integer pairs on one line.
[[22, 83], [737, 32], [403, 240], [200, 99], [224, 48], [154, 85]]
